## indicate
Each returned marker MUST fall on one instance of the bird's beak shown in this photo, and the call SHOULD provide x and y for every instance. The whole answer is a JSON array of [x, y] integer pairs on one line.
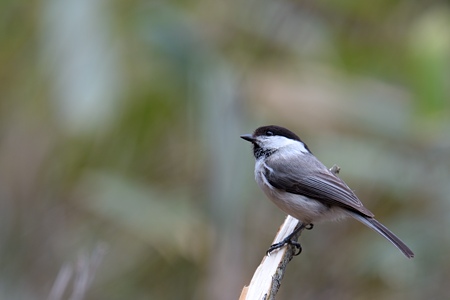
[[248, 137]]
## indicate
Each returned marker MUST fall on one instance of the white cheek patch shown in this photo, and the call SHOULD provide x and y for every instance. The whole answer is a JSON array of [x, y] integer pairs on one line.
[[275, 142]]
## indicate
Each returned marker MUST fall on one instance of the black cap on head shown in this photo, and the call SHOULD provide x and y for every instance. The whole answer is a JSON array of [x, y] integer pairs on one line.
[[276, 130]]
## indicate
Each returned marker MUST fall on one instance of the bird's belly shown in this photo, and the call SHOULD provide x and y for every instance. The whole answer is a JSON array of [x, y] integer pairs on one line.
[[304, 209]]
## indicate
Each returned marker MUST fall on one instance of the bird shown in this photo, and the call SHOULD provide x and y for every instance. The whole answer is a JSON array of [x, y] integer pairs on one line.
[[301, 186]]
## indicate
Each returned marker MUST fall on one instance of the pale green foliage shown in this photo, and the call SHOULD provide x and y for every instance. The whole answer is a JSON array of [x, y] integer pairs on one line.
[[120, 124]]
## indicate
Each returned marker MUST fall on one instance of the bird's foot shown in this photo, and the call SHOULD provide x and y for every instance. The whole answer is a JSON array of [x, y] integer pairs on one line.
[[297, 246], [288, 240]]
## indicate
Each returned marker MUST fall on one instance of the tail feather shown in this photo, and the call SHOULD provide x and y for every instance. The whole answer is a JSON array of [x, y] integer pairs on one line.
[[386, 233]]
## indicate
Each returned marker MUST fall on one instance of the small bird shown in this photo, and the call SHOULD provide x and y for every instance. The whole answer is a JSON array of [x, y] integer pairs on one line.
[[301, 186]]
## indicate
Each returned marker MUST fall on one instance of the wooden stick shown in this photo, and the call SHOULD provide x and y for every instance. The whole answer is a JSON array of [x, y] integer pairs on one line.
[[267, 278]]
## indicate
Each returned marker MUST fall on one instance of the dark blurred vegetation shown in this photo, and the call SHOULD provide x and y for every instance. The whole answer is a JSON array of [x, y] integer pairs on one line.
[[120, 125]]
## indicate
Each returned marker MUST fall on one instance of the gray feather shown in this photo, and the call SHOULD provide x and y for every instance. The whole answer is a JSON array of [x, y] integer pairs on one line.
[[305, 175]]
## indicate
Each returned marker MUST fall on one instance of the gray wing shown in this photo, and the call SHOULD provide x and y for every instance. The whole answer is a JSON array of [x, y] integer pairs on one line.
[[306, 176]]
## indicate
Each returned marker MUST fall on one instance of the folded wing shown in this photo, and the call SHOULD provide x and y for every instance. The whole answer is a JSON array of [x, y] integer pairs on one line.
[[305, 175]]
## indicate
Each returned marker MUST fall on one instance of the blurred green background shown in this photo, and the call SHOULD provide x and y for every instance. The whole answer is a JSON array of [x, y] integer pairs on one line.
[[121, 169]]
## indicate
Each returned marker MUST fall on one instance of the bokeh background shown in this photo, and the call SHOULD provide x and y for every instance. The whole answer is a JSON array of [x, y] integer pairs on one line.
[[122, 175]]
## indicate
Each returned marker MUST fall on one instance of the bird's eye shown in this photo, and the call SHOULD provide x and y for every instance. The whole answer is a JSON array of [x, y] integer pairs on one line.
[[269, 133]]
